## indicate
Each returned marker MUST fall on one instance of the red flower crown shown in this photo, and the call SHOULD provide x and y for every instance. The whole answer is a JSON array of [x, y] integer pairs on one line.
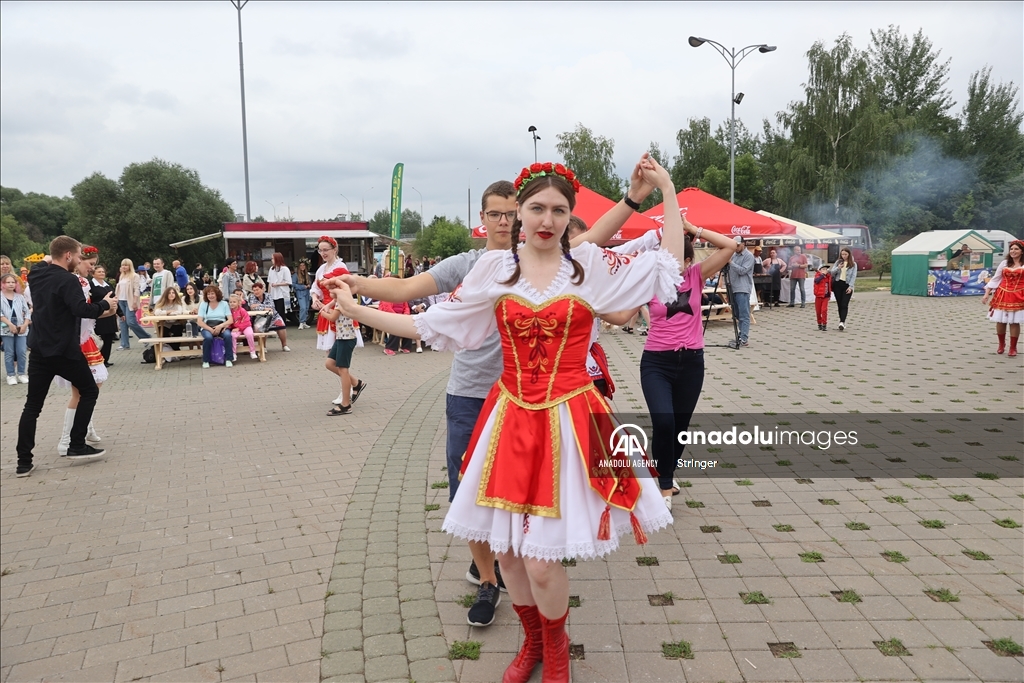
[[330, 240], [89, 252], [547, 168]]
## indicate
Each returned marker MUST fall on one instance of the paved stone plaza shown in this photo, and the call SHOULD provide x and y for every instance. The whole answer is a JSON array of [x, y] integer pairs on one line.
[[235, 533]]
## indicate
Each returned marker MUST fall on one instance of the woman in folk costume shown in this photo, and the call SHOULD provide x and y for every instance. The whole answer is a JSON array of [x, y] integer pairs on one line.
[[1006, 292], [330, 268], [92, 355], [531, 485]]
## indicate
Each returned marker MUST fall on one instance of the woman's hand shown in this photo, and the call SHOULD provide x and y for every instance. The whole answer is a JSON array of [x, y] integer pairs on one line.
[[639, 186], [986, 297], [849, 290], [342, 296], [655, 174]]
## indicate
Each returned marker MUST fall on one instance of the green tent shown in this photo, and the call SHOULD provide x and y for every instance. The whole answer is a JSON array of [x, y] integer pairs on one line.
[[922, 266]]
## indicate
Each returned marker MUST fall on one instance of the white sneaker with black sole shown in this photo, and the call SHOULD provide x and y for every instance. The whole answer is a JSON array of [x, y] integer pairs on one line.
[[488, 597]]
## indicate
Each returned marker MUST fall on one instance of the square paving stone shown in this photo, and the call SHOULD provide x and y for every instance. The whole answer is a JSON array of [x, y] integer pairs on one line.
[[769, 668], [984, 664], [872, 665], [598, 667], [823, 665], [643, 666]]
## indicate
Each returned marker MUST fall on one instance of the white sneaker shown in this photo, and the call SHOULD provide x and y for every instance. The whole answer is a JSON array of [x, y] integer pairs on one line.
[[253, 355], [23, 379], [206, 366], [668, 502], [286, 349], [338, 401], [419, 350], [842, 326], [228, 364], [12, 380]]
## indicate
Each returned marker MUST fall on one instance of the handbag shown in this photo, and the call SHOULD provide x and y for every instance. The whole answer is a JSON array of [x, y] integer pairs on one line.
[[217, 351], [259, 324]]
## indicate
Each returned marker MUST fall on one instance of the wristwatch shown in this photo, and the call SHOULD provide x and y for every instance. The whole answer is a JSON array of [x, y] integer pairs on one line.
[[630, 203]]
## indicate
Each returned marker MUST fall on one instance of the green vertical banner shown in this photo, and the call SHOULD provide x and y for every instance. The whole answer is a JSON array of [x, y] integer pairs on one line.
[[396, 218]]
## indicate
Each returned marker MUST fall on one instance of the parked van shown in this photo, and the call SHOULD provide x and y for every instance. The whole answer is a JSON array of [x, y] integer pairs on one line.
[[1001, 239]]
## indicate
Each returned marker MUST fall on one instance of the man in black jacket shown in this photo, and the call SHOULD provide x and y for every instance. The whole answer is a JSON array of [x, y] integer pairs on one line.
[[58, 306]]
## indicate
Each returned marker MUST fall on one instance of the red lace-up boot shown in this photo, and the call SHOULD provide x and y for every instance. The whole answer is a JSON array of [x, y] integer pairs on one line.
[[1013, 347], [556, 650], [521, 668], [1002, 342]]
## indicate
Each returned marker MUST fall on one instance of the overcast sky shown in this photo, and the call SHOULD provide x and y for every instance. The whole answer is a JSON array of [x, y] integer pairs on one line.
[[337, 93]]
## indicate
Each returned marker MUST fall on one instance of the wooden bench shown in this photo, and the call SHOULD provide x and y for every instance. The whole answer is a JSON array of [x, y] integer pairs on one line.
[[195, 347]]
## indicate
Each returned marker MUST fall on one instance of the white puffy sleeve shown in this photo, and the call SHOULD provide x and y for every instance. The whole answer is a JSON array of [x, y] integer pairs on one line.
[[617, 282], [997, 278], [649, 241], [466, 319]]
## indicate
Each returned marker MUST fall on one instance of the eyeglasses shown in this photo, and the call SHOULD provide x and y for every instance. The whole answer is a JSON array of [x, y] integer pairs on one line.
[[495, 216]]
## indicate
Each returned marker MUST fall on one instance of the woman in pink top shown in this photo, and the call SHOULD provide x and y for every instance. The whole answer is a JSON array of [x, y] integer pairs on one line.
[[672, 365]]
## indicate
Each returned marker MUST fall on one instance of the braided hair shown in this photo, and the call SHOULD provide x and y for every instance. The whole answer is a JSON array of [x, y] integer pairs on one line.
[[525, 193]]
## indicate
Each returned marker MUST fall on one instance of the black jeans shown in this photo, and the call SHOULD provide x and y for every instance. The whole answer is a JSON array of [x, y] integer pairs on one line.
[[842, 298], [41, 371], [671, 381]]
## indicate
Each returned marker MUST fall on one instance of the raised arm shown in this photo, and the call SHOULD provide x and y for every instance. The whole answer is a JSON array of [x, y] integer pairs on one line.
[[610, 223], [672, 239], [726, 247], [393, 289], [392, 323]]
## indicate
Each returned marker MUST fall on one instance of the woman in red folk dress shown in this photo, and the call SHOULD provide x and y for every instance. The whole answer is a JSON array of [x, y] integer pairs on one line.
[[91, 352], [1006, 292], [532, 486]]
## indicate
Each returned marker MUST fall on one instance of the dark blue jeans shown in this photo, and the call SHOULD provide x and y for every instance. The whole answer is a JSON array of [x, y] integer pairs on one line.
[[671, 381], [462, 413]]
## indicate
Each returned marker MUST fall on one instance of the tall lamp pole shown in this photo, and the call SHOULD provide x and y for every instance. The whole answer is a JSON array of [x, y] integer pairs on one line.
[[349, 214], [239, 4], [533, 129], [363, 199], [469, 200], [732, 57], [421, 206]]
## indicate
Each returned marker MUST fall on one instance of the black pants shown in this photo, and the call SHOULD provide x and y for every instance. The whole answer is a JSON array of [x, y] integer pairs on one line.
[[279, 307], [395, 341], [108, 342], [671, 382], [41, 371], [842, 298]]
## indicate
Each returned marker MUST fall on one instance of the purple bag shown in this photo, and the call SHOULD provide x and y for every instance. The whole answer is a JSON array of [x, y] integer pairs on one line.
[[217, 351]]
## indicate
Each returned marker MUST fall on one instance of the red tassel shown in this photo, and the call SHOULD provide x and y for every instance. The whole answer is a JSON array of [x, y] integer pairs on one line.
[[604, 530], [638, 532], [526, 523]]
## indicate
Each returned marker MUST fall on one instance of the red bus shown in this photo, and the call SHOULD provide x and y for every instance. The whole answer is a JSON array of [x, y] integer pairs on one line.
[[861, 242]]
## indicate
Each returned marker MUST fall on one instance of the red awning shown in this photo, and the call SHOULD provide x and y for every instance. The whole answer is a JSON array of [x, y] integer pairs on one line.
[[709, 212], [590, 206]]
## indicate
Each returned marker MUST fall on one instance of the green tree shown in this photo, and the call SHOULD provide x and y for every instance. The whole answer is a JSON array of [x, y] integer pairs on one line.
[[838, 131], [442, 238], [590, 157], [749, 187], [150, 206], [15, 242], [43, 217], [411, 224], [910, 80], [381, 222], [881, 257], [698, 150]]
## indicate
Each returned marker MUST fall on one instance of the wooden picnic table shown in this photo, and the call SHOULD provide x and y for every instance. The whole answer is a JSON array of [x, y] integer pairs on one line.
[[194, 344]]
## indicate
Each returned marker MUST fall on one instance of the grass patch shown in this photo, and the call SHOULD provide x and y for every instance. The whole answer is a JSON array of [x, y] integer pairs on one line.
[[762, 503], [804, 481], [828, 501], [729, 558], [1009, 458], [840, 461], [1007, 523], [430, 507], [685, 484], [784, 650], [783, 463], [977, 554], [568, 562], [895, 556], [857, 526], [694, 504], [783, 527], [729, 465], [439, 485], [1004, 647], [467, 600], [991, 476], [755, 598], [712, 529], [647, 561], [896, 499], [848, 595], [932, 523], [813, 556], [680, 650], [576, 652], [744, 482], [926, 477], [941, 595], [892, 648], [465, 649], [574, 601], [962, 498], [663, 600]]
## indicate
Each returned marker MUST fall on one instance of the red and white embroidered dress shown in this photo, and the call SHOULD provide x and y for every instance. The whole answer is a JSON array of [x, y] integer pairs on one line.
[[1007, 302], [89, 348], [530, 483]]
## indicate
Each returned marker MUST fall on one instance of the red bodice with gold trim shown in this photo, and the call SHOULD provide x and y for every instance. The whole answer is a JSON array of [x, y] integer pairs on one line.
[[1009, 295], [545, 352]]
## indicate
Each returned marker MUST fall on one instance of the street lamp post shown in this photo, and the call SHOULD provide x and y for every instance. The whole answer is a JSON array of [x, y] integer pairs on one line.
[[239, 4], [469, 199], [362, 198], [421, 205], [349, 214], [533, 129], [732, 57], [274, 207]]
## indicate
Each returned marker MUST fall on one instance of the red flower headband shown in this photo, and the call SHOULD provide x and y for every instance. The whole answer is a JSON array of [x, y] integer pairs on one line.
[[545, 169], [330, 240], [90, 252]]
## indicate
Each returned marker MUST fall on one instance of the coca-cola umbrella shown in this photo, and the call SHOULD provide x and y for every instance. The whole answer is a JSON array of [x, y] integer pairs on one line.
[[711, 213]]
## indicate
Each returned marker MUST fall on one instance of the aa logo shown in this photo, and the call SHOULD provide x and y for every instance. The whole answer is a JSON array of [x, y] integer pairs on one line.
[[628, 441]]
